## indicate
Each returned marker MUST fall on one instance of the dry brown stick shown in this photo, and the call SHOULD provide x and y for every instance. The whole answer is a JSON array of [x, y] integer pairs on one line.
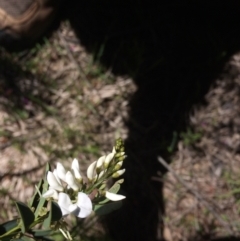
[[196, 194]]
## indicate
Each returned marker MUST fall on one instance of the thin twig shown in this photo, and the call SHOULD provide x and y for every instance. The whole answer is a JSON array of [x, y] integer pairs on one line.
[[196, 194]]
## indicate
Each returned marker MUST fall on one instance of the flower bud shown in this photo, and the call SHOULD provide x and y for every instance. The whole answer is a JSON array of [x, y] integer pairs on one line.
[[121, 158], [108, 159], [120, 154], [118, 173], [101, 174], [118, 166], [91, 171], [71, 181], [76, 170], [61, 172], [114, 150], [113, 196], [100, 163]]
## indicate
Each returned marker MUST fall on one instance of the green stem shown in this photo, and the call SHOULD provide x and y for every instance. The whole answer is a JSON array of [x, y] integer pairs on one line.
[[17, 229], [11, 232]]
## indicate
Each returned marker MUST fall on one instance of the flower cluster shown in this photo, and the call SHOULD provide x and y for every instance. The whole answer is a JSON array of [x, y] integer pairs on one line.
[[77, 194], [63, 192]]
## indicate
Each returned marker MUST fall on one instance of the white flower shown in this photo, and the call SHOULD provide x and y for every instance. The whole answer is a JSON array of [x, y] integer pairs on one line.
[[82, 208], [65, 204], [54, 182], [76, 169], [113, 196], [91, 171]]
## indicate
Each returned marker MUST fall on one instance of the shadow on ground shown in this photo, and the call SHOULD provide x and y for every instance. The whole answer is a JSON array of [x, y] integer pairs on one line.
[[173, 50]]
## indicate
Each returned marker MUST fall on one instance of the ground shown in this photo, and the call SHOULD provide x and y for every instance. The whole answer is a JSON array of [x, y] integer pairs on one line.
[[56, 105], [167, 83], [206, 204]]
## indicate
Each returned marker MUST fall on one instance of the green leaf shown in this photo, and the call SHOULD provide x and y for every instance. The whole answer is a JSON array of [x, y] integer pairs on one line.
[[19, 239], [24, 239], [104, 201], [5, 227], [34, 200], [41, 233], [120, 181], [41, 187], [48, 168], [42, 201], [115, 188], [7, 238], [107, 208], [26, 215], [41, 205], [54, 214]]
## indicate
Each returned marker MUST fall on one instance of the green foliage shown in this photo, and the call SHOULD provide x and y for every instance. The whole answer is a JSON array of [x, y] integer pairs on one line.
[[107, 208], [54, 215], [189, 137], [29, 215], [47, 213], [26, 215]]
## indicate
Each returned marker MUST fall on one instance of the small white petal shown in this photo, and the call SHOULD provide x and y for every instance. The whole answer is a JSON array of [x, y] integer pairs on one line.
[[73, 208], [56, 175], [48, 193], [77, 174], [101, 174], [51, 193], [76, 169], [91, 171], [85, 205], [52, 181], [75, 164], [120, 172], [108, 159], [61, 172], [100, 161], [113, 196], [114, 150], [71, 181], [64, 203]]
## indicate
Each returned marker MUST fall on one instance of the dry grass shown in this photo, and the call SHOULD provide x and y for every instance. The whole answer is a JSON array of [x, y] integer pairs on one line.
[[55, 104], [209, 165]]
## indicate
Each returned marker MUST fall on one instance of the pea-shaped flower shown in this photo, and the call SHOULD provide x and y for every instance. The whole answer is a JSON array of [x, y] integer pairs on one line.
[[82, 208]]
